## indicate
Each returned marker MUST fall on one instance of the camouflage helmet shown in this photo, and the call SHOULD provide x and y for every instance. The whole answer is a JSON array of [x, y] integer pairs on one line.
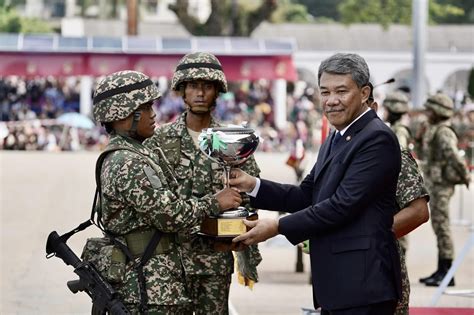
[[119, 94], [199, 66], [441, 104], [396, 103]]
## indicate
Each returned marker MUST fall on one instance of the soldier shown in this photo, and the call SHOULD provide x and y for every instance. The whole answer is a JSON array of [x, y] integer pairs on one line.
[[396, 105], [443, 169], [412, 199], [209, 265], [136, 199]]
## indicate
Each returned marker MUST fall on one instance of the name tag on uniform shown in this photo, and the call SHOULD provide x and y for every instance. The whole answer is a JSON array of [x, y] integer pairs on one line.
[[152, 177]]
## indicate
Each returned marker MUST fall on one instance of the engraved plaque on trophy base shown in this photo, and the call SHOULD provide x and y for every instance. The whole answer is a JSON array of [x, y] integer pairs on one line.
[[228, 225]]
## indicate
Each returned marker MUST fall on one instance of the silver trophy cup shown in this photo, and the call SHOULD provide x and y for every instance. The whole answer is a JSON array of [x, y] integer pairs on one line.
[[228, 146]]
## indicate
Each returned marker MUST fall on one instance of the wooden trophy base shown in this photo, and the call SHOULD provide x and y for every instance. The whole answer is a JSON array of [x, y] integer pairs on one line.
[[225, 227]]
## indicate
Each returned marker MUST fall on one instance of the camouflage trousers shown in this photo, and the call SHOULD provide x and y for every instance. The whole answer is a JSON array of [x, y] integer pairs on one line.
[[210, 293], [403, 242], [184, 309], [402, 306], [439, 206]]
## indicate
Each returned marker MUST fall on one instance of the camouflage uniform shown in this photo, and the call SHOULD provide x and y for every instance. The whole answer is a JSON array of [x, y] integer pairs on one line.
[[409, 187], [403, 134], [136, 198], [439, 150], [397, 103], [441, 163], [208, 271]]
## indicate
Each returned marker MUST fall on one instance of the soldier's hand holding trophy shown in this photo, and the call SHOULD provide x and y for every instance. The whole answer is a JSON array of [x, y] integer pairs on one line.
[[229, 147]]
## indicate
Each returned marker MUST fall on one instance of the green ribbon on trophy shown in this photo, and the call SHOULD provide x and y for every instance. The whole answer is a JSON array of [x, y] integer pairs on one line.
[[217, 143]]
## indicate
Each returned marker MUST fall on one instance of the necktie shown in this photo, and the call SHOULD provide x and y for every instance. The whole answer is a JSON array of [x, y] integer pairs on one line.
[[334, 141]]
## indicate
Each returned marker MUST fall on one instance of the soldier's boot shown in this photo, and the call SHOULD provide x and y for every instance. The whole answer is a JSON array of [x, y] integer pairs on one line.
[[434, 274], [445, 265]]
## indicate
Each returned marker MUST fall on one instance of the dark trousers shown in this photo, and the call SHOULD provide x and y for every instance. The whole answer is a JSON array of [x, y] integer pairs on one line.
[[383, 308]]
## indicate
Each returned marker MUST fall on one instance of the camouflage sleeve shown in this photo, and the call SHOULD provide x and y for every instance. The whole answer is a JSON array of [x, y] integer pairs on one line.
[[410, 184], [156, 204], [403, 137], [448, 145]]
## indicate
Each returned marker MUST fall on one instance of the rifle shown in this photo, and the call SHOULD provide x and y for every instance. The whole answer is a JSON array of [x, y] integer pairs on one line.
[[104, 297]]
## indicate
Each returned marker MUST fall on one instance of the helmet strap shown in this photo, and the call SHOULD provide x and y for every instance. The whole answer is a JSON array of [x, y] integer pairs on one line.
[[136, 118]]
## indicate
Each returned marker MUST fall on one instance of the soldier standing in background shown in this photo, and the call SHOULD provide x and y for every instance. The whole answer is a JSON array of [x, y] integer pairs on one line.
[[199, 79], [396, 105], [136, 200], [443, 169]]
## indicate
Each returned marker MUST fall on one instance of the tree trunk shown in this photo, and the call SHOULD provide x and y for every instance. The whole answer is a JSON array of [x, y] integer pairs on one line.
[[132, 20], [226, 18]]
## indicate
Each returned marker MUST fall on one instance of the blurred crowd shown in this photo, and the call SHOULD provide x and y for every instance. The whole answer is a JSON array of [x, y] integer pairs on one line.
[[30, 108]]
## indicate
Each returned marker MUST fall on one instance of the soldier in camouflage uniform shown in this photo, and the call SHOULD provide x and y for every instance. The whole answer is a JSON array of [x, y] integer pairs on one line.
[[412, 199], [443, 169], [136, 199], [396, 105], [209, 265]]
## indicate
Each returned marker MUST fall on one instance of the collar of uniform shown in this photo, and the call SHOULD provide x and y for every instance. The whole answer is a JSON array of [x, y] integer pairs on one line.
[[179, 129], [123, 141], [446, 123]]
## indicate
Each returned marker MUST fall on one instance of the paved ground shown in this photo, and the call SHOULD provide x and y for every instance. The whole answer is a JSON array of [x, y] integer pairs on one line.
[[41, 192]]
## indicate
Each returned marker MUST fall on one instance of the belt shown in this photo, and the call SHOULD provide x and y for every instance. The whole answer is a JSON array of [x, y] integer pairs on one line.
[[138, 241]]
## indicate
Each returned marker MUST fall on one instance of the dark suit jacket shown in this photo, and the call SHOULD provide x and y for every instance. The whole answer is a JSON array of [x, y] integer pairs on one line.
[[345, 206]]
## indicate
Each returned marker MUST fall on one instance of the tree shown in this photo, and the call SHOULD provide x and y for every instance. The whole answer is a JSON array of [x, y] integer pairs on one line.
[[289, 11], [227, 18], [11, 22], [322, 9], [388, 12], [466, 5]]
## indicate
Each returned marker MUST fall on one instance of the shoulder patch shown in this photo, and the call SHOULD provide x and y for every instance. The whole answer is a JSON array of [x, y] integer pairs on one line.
[[152, 177]]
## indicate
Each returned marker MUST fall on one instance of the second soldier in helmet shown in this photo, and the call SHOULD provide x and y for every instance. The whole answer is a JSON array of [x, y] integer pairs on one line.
[[199, 79], [396, 105]]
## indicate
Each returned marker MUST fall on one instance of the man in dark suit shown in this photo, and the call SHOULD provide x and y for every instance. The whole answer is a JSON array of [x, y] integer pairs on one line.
[[345, 206]]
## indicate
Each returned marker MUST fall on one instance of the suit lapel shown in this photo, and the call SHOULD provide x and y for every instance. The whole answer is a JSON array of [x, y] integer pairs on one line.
[[323, 156], [348, 137]]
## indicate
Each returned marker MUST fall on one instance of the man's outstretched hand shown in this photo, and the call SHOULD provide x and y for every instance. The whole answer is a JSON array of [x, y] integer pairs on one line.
[[261, 230], [241, 180]]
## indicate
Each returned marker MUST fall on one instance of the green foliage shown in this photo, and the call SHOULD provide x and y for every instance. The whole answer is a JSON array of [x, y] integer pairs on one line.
[[35, 26], [466, 5], [470, 84], [386, 12], [322, 10], [11, 22], [440, 12], [290, 12]]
